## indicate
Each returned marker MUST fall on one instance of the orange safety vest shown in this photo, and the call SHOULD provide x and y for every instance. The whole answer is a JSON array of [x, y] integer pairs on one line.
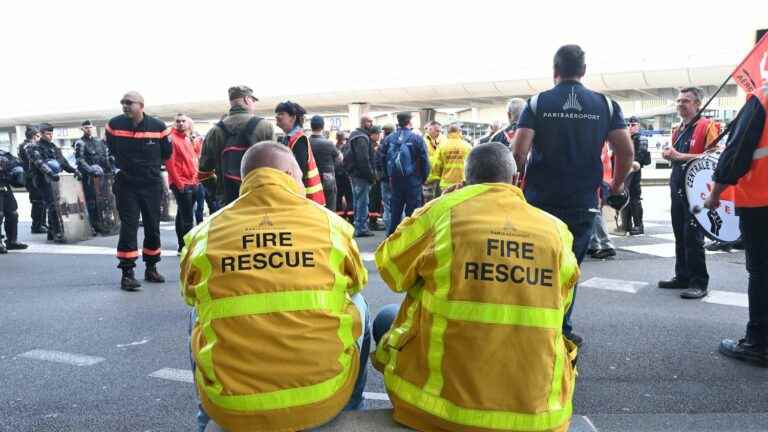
[[312, 182], [704, 133], [752, 188]]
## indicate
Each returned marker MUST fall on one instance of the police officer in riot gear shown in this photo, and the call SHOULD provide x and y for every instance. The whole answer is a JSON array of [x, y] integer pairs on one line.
[[11, 174], [93, 160], [632, 215], [32, 135], [48, 162]]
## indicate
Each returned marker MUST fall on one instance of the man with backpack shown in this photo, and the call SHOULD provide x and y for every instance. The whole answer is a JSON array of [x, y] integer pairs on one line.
[[227, 141], [407, 167], [359, 163]]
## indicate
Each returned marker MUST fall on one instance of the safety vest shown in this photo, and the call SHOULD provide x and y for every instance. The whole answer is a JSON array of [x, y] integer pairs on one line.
[[752, 188], [704, 133], [478, 342], [432, 145], [448, 163], [270, 277], [312, 181]]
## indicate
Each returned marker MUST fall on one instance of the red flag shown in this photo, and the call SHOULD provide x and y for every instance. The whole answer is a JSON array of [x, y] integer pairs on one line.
[[753, 71]]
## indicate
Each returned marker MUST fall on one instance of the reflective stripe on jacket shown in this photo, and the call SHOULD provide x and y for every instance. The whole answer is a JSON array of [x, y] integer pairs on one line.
[[432, 145], [271, 276], [449, 160], [752, 188], [478, 343]]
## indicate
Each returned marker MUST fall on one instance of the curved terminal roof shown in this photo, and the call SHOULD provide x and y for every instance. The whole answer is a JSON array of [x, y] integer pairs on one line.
[[414, 97]]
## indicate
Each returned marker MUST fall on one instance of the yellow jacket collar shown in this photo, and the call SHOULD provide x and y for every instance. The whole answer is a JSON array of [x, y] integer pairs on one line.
[[506, 186], [454, 135], [269, 177]]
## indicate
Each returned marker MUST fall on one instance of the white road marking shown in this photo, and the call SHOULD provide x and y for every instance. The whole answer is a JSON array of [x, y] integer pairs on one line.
[[589, 423], [368, 256], [62, 357], [66, 249], [662, 250], [376, 396], [667, 236], [613, 284], [652, 225], [171, 374], [141, 342], [727, 298]]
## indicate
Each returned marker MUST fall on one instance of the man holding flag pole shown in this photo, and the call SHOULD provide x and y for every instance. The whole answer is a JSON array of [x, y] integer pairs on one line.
[[744, 165]]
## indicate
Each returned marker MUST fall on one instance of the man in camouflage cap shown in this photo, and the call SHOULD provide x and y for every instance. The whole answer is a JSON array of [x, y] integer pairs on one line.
[[219, 172]]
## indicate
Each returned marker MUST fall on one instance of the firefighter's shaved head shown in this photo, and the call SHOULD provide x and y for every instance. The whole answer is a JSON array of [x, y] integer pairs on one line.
[[490, 163], [270, 154]]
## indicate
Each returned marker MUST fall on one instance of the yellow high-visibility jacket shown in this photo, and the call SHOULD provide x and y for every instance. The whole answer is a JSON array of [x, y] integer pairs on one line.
[[270, 276], [449, 160], [432, 145], [478, 343]]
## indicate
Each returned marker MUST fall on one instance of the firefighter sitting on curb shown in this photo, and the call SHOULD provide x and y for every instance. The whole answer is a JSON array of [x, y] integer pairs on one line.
[[477, 344], [280, 336]]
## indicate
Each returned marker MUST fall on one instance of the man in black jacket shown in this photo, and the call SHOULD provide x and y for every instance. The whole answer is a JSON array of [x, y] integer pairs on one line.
[[360, 166], [32, 135], [11, 174], [140, 146], [632, 214], [47, 162], [326, 156]]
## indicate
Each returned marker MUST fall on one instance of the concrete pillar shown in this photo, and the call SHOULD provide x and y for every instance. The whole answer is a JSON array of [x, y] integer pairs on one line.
[[424, 116], [357, 110], [475, 114]]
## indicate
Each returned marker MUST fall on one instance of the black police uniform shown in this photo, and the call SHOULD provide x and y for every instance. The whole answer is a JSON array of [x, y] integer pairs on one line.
[[139, 152], [44, 177], [35, 197], [632, 215], [9, 217], [90, 153]]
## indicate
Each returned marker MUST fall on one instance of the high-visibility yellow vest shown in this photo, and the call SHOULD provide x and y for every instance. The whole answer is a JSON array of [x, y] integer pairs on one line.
[[271, 276], [478, 342], [449, 160], [432, 145]]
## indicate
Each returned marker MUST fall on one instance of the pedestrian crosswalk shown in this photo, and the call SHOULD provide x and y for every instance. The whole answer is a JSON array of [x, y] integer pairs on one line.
[[717, 297]]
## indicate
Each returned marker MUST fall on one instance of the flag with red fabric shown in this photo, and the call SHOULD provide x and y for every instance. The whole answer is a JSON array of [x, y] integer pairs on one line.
[[753, 70]]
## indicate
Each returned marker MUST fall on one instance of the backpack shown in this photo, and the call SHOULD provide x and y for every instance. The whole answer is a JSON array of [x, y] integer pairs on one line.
[[643, 155], [237, 142], [348, 154], [400, 160]]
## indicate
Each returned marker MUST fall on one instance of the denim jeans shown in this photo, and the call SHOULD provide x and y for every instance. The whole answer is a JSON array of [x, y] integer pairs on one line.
[[581, 223], [199, 203], [600, 239], [383, 321], [386, 196], [356, 400], [406, 197], [360, 190]]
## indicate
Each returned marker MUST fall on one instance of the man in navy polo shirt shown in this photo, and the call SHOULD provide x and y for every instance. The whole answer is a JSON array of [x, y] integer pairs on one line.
[[563, 130]]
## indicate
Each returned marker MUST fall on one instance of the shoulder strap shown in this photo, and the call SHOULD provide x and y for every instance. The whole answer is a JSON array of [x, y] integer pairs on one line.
[[533, 102], [221, 126], [610, 107]]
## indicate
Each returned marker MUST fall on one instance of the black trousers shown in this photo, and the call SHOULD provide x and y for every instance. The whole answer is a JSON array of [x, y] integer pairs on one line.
[[754, 232], [185, 212], [55, 229], [91, 203], [690, 264], [9, 217], [343, 191], [38, 207], [632, 214], [133, 200]]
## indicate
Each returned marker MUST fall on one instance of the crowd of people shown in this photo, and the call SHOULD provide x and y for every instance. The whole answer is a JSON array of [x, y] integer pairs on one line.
[[275, 276]]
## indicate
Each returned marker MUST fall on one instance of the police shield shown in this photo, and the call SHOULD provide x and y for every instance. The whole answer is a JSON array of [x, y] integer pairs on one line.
[[104, 205], [70, 208]]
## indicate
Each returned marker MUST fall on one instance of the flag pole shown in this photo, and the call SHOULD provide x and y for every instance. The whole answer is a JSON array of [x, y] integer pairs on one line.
[[701, 111]]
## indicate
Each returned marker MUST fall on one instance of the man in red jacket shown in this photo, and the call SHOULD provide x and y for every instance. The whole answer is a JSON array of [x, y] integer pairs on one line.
[[182, 176]]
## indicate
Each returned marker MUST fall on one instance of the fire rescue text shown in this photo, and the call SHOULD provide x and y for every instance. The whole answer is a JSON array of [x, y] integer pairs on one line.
[[273, 259], [508, 272]]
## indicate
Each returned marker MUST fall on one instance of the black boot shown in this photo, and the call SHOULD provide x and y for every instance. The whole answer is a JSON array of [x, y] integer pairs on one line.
[[152, 275], [3, 250], [745, 350], [129, 282], [626, 219]]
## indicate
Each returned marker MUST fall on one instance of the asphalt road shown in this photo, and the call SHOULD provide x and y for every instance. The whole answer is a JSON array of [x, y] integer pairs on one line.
[[78, 354]]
